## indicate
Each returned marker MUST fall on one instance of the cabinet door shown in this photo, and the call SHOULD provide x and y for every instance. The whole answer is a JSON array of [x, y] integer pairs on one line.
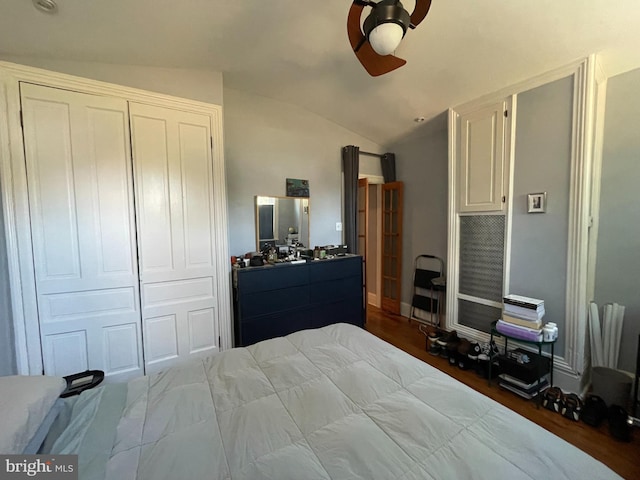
[[482, 144], [81, 210], [175, 219]]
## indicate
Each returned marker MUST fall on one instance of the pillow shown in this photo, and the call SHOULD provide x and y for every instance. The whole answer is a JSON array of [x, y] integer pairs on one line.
[[25, 401]]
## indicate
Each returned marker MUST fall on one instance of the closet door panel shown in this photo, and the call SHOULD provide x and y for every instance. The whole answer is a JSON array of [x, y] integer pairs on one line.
[[151, 154], [51, 189], [173, 167], [80, 194], [108, 171], [195, 162]]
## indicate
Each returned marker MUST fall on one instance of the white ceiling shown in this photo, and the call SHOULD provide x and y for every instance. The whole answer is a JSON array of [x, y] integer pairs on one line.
[[297, 51]]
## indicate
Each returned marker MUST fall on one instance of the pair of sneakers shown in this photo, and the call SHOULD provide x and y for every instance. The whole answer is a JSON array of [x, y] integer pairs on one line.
[[481, 354], [569, 405], [483, 351]]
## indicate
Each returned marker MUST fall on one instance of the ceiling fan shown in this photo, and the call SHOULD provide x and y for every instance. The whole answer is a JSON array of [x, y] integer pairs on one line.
[[384, 28]]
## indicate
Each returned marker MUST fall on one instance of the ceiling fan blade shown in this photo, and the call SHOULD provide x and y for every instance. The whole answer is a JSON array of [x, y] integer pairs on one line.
[[356, 36], [376, 64], [419, 12], [373, 63]]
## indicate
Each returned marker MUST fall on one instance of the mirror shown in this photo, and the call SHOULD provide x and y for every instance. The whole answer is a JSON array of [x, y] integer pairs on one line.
[[282, 221]]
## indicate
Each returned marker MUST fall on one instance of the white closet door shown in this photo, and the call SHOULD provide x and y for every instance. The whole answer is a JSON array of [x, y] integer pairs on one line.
[[81, 207], [175, 217]]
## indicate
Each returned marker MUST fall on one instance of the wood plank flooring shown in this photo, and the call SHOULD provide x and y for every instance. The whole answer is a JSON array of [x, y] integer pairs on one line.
[[622, 457]]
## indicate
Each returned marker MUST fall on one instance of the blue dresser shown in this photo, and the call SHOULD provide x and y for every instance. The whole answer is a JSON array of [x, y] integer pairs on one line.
[[272, 301]]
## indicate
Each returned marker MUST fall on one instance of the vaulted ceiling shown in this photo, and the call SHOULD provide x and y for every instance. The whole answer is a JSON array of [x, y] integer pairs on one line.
[[297, 51]]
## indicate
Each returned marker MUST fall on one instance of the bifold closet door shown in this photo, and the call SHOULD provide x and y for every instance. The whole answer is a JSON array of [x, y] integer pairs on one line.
[[175, 220], [79, 178]]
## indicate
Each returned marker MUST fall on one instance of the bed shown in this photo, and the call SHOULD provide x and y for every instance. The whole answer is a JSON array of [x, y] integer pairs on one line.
[[330, 403]]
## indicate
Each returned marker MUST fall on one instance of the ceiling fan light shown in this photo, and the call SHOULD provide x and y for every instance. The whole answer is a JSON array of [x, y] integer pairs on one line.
[[385, 38]]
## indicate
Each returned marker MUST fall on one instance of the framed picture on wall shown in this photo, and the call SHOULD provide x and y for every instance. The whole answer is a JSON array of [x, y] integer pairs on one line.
[[537, 202], [297, 187]]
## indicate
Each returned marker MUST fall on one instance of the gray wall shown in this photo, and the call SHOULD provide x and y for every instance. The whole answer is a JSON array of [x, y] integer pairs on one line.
[[542, 164], [422, 164], [201, 85], [617, 273], [267, 141]]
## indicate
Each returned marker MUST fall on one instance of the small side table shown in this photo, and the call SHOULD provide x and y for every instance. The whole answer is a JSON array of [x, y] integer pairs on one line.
[[495, 332]]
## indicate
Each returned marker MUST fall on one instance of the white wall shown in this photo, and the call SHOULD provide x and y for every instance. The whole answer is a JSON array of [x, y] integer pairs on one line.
[[267, 141], [201, 85]]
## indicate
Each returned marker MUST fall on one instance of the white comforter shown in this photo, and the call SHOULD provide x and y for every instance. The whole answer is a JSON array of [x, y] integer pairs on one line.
[[332, 403]]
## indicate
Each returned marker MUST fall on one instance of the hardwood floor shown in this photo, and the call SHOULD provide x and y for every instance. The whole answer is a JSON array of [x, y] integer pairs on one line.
[[622, 457]]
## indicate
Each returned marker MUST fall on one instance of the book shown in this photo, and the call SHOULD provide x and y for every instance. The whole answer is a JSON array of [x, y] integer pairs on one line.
[[521, 301], [523, 322], [527, 387], [528, 394], [516, 331], [523, 312]]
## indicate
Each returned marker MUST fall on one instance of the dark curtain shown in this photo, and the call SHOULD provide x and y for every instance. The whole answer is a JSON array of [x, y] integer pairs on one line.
[[388, 163], [350, 162]]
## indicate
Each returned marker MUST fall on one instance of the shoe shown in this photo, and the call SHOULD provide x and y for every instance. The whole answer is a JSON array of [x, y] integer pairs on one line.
[[594, 411], [447, 337], [571, 407], [432, 335], [488, 351], [474, 351], [452, 348], [618, 425], [434, 348], [463, 354], [444, 340], [552, 399]]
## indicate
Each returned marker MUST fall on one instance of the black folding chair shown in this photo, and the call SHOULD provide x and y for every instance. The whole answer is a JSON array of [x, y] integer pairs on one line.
[[429, 285]]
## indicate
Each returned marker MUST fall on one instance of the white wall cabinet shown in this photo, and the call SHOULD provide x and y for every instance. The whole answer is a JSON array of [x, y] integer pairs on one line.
[[116, 219], [482, 157]]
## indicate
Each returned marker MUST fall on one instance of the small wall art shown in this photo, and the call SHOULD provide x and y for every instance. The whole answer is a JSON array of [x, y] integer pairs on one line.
[[297, 188], [537, 202]]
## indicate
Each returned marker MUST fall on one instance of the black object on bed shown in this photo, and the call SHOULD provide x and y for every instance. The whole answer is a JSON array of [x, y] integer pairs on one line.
[[79, 382]]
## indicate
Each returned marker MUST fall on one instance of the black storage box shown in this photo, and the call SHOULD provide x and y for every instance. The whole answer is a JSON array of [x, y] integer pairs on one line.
[[525, 372]]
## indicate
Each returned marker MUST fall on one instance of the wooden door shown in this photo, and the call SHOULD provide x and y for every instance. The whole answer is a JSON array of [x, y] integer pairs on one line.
[[392, 195], [173, 174], [83, 234]]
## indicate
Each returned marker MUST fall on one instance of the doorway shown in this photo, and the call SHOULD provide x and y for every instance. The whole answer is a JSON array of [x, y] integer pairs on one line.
[[379, 213]]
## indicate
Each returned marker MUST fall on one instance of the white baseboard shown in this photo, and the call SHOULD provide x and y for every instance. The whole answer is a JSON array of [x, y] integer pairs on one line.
[[372, 299]]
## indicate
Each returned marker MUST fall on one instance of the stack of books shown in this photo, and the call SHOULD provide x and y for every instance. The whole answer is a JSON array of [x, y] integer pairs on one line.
[[522, 317]]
